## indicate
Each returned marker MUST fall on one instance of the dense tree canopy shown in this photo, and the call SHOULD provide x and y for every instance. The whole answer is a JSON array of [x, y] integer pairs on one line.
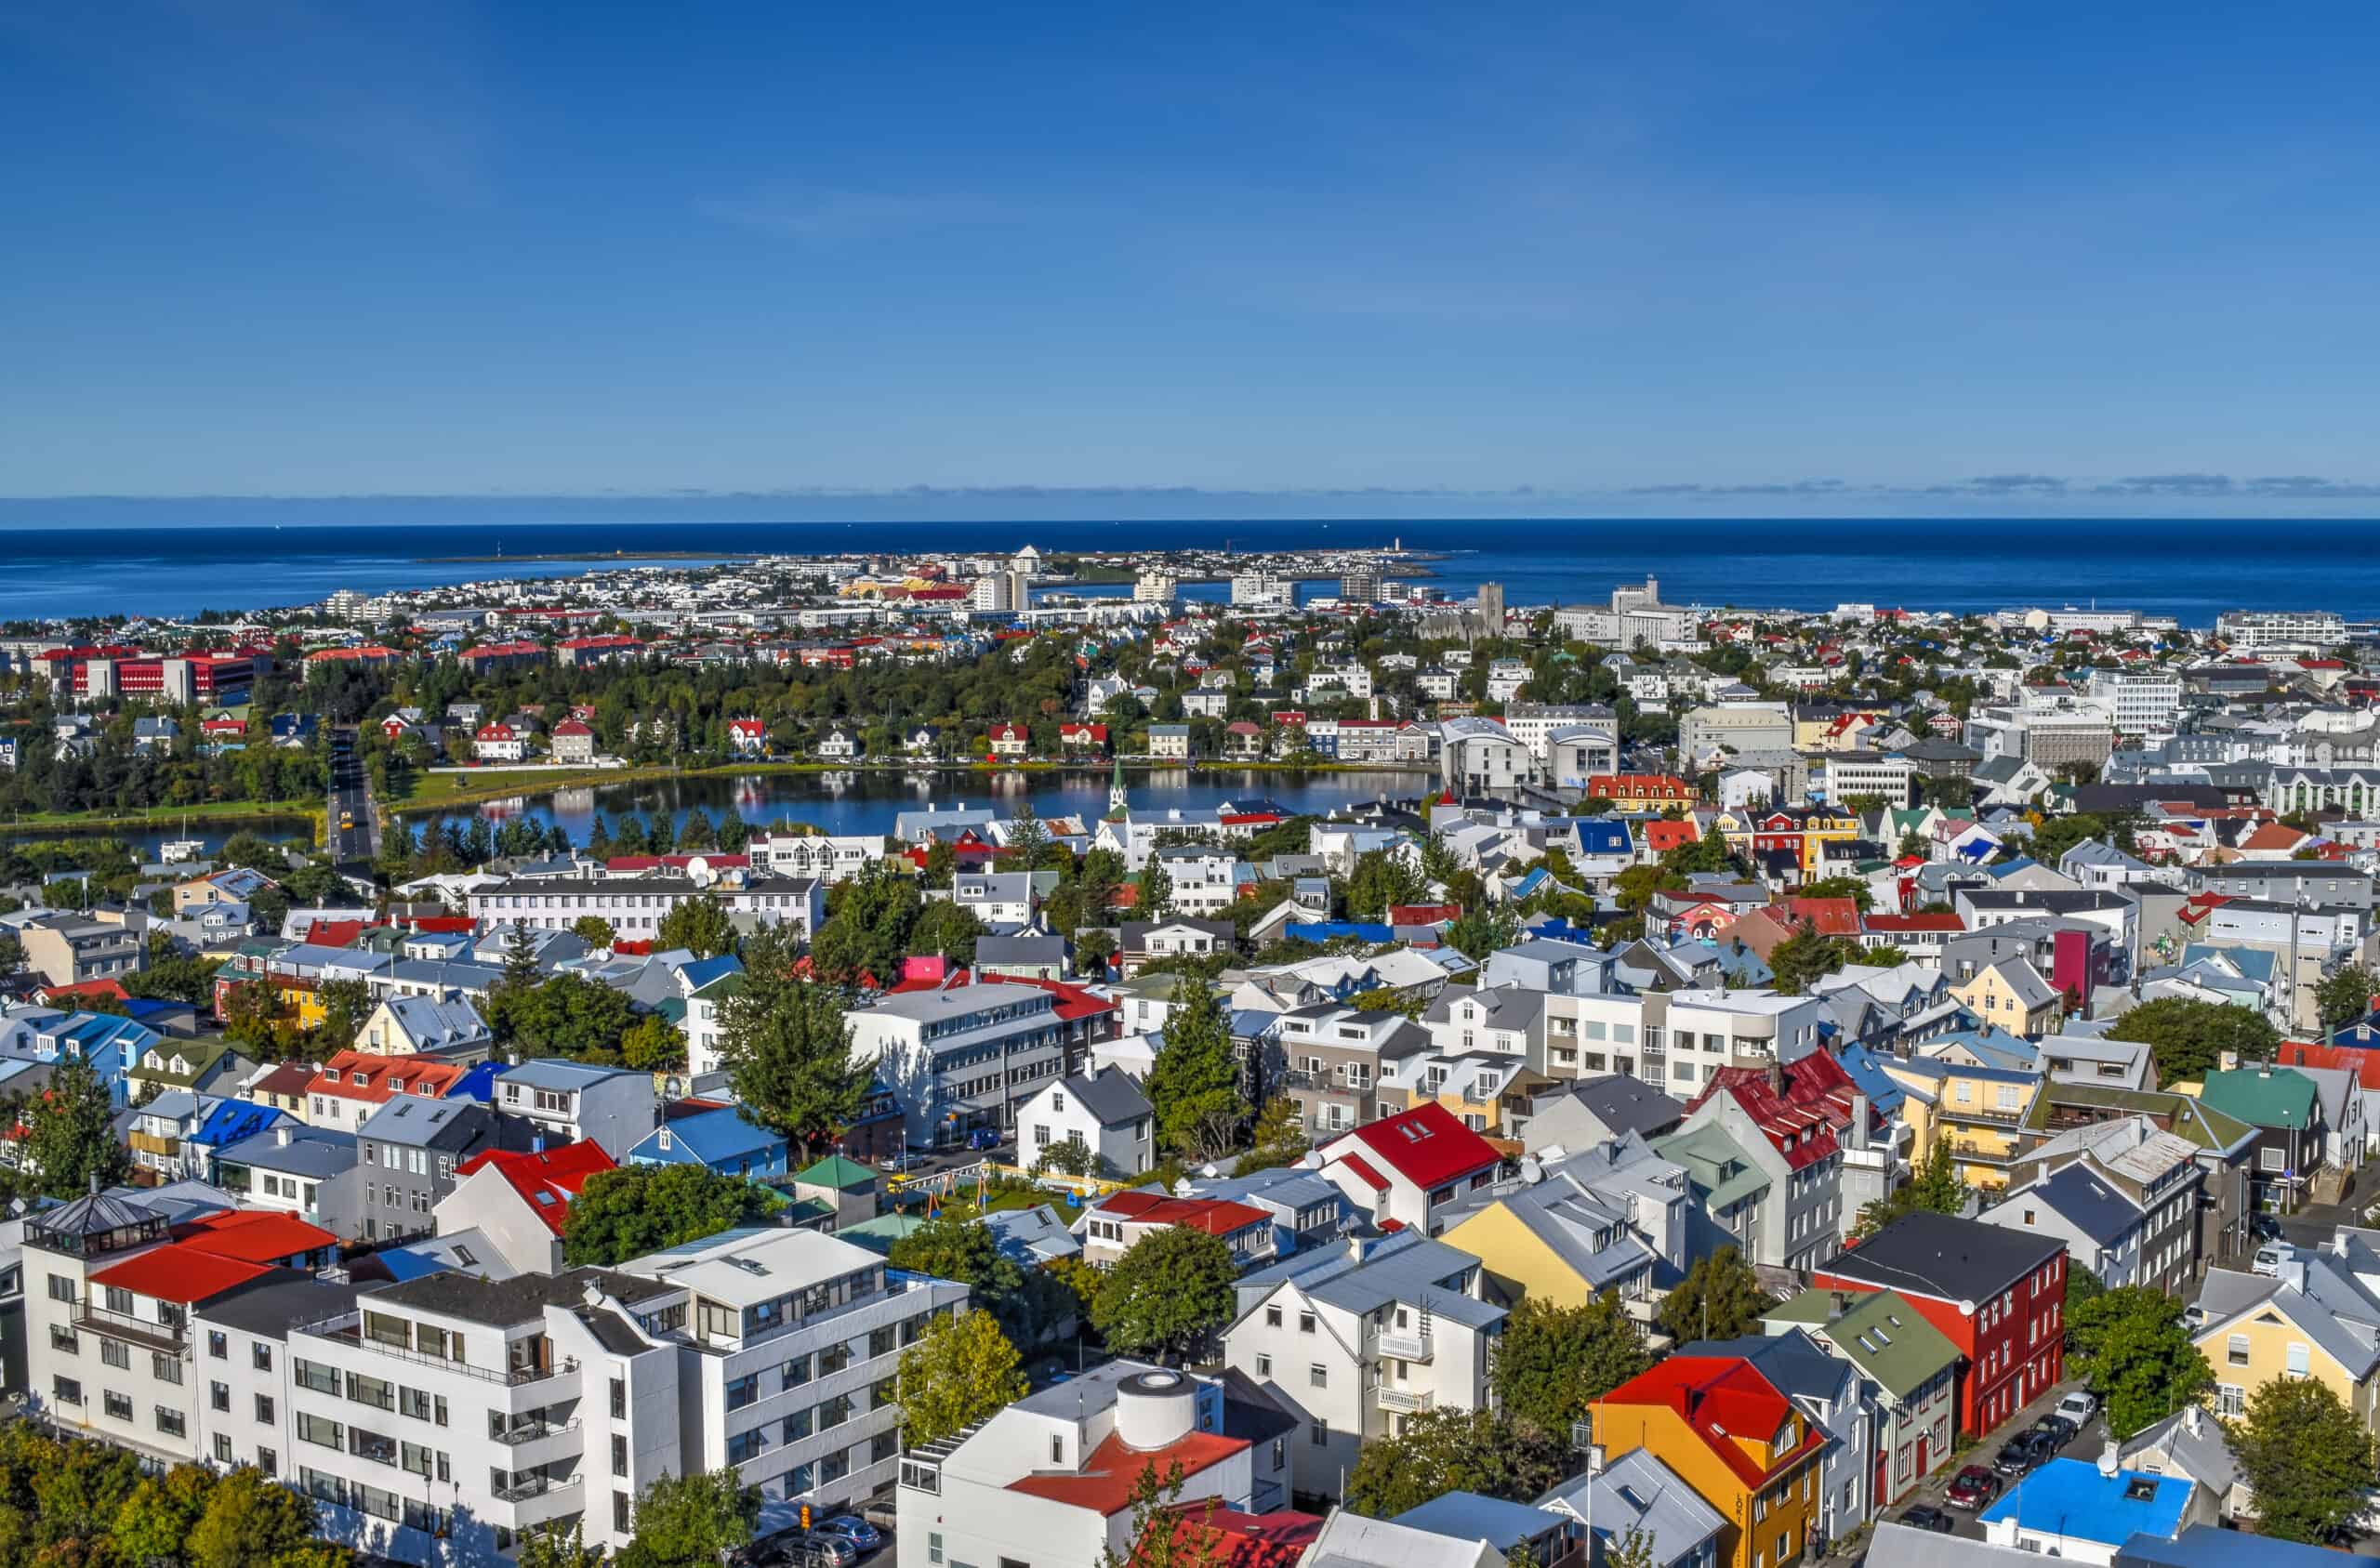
[[2189, 1038], [636, 1210]]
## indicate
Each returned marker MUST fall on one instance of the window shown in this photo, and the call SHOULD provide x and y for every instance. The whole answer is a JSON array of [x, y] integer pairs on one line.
[[164, 1367], [2236, 1350], [170, 1422], [265, 1409], [220, 1395], [619, 1455], [620, 1401], [1318, 1433], [1306, 1323], [218, 1344], [620, 1512], [2230, 1399], [2271, 1159], [797, 1425], [117, 1354], [880, 1341], [744, 1391], [1272, 1315], [744, 1447], [62, 1288], [2297, 1365], [1317, 1376], [116, 1404], [797, 1372], [222, 1449], [261, 1356], [1264, 1365], [267, 1461]]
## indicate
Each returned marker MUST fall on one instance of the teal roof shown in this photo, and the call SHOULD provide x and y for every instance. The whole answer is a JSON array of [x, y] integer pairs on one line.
[[2268, 1097]]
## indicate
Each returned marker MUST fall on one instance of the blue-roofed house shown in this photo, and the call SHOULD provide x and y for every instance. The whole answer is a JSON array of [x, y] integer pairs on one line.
[[109, 1045], [229, 1122], [721, 1142], [1319, 932], [2073, 1508]]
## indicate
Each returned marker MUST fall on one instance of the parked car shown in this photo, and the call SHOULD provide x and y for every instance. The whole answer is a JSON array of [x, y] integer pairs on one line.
[[2079, 1407], [2022, 1453], [2270, 1259], [1973, 1488], [818, 1550], [907, 1159], [852, 1528], [1924, 1518], [2264, 1228], [983, 1138], [2058, 1428]]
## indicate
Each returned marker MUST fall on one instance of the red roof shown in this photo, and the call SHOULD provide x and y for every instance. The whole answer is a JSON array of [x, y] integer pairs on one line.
[[1941, 921], [1830, 918], [83, 989], [176, 1274], [1718, 1396], [1369, 1176], [2363, 1064], [1663, 835], [1423, 913], [1228, 1538], [334, 933], [1106, 1481], [1800, 1123], [572, 727], [255, 1235], [1426, 1146], [495, 732], [1666, 787], [377, 1078], [545, 1181], [1217, 1217]]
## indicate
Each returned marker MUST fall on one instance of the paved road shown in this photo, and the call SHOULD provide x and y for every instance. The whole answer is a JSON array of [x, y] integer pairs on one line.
[[2085, 1445], [353, 837]]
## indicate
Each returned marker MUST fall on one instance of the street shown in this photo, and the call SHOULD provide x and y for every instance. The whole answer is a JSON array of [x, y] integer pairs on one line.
[[2084, 1445], [349, 831]]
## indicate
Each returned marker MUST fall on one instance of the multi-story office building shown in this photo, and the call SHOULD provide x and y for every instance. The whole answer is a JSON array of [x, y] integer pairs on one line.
[[968, 1057], [2250, 630], [635, 906], [1360, 585], [1155, 586], [1262, 590], [2144, 700]]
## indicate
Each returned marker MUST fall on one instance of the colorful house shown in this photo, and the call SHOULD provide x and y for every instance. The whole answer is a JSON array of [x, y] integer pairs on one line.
[[1733, 1437]]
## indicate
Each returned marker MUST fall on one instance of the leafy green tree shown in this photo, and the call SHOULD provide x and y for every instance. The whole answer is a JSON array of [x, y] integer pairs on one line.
[[787, 1047], [1936, 1188], [2132, 1347], [1556, 1360], [636, 1210], [594, 930], [155, 1521], [1193, 1082], [253, 1522], [2344, 996], [866, 931], [70, 1135], [963, 1370], [652, 1044], [692, 1521], [1380, 880], [1447, 1450], [1154, 897], [1481, 930], [2081, 1285], [557, 1545], [12, 954], [2307, 1456], [565, 1014], [1071, 1157], [1028, 840], [2188, 1039], [346, 1005], [1280, 1139], [1634, 1549], [947, 928], [700, 925], [1804, 956], [1167, 1295], [1719, 1298]]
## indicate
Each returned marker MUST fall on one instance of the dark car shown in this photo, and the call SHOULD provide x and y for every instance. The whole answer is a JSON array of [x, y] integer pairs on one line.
[[1924, 1518], [2023, 1454], [852, 1528], [2059, 1430], [983, 1138], [1973, 1488]]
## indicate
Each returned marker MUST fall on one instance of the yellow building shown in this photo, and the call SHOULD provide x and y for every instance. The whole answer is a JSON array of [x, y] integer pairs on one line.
[[1754, 832], [2258, 1329], [1979, 1112], [1732, 1436], [1554, 1242], [2011, 994]]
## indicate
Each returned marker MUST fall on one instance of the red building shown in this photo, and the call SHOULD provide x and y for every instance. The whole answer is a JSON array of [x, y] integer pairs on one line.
[[1997, 1294], [182, 678]]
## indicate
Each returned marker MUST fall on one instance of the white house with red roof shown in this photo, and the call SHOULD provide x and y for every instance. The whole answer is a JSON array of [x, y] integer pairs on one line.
[[1050, 1479], [1083, 737], [1407, 1168], [1010, 740], [748, 737], [1120, 1221], [352, 1084], [573, 741], [520, 1200], [498, 742]]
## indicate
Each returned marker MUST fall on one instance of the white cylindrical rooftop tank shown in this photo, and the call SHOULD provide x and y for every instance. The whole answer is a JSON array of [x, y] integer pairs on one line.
[[1153, 1409]]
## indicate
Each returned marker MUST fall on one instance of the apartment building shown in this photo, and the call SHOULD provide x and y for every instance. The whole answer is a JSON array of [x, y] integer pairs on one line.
[[1704, 1030], [410, 1150], [71, 949], [1480, 756], [2247, 631], [2126, 1205], [787, 1341], [1339, 1060], [821, 857], [1359, 1337], [2143, 700], [240, 1359], [1535, 724], [441, 1416], [635, 906], [574, 1103], [1853, 774], [1792, 1147], [967, 1057]]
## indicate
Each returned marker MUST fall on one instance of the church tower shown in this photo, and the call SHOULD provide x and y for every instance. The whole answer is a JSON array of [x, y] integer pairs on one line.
[[1115, 802]]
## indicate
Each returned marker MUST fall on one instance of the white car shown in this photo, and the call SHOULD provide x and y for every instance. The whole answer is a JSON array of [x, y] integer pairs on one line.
[[2271, 1259], [2079, 1407]]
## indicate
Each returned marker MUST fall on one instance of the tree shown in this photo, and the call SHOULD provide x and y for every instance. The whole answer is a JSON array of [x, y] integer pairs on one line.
[[1936, 1187], [251, 1522], [564, 1015], [692, 1521], [1153, 898], [963, 1370], [652, 1044], [1719, 1298], [1028, 840], [1480, 931], [2189, 1038], [636, 1210], [1556, 1360], [947, 930], [1634, 1549], [1193, 1082], [594, 930], [12, 952], [1155, 1538], [866, 931], [2081, 1285], [2134, 1349], [1382, 878], [787, 1047], [346, 1005], [1448, 1450], [1167, 1295], [2344, 996], [69, 1136], [2307, 1456], [700, 925], [1279, 1139], [1070, 1157], [1804, 956], [556, 1545]]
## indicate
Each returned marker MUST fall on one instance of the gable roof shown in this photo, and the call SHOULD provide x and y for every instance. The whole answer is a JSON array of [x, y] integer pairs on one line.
[[1718, 1396], [1426, 1146], [1876, 1330], [545, 1180], [1943, 1255]]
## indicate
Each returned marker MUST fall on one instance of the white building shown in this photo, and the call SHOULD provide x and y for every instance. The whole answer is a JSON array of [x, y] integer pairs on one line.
[[1262, 590], [2249, 629], [1105, 1112], [827, 858], [1361, 1335], [635, 906], [2144, 700], [963, 1059], [573, 1101]]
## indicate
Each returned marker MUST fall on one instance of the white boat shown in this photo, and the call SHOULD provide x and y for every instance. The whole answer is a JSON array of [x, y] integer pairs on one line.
[[181, 851]]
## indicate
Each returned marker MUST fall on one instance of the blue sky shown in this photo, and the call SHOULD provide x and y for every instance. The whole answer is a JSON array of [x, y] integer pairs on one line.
[[1806, 256]]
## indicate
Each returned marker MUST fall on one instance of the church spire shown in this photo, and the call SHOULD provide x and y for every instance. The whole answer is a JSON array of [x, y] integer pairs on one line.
[[1117, 804]]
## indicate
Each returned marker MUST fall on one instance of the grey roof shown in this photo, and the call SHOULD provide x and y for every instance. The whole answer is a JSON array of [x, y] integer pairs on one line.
[[269, 1306], [430, 1124], [1798, 1365], [1109, 1094], [552, 1072], [319, 1152], [1030, 1236], [1404, 1267], [1901, 1546], [1637, 1492], [2332, 1307], [2097, 1209], [523, 1298], [1626, 1104], [2194, 1445], [1031, 948]]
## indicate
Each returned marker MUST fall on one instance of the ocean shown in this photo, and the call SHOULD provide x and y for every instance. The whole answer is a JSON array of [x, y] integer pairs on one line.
[[2192, 570]]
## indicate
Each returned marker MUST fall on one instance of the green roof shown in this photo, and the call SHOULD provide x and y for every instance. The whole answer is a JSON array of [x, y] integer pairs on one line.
[[2201, 1124], [1889, 1339], [880, 1233], [1715, 1163], [837, 1172], [2266, 1097]]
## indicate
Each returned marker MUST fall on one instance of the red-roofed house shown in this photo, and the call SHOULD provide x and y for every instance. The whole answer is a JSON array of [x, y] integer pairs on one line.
[[1829, 917], [1083, 737], [1794, 1123], [1010, 740], [353, 1084], [1119, 1222], [1404, 1168], [1051, 1478], [1641, 792], [748, 737], [1736, 1439], [573, 741], [1662, 834], [498, 742], [521, 1200]]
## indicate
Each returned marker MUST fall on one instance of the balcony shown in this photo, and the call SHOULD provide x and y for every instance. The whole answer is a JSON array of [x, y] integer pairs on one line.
[[539, 1443], [348, 1329], [1403, 1401], [163, 1147], [1404, 1347], [171, 1338], [536, 1499]]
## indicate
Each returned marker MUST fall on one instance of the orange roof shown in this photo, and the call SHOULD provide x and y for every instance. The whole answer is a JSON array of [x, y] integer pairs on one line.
[[1217, 1217], [1664, 835], [354, 1074], [1718, 1396], [1832, 918], [1106, 1481], [176, 1274], [546, 1180], [255, 1235], [110, 990]]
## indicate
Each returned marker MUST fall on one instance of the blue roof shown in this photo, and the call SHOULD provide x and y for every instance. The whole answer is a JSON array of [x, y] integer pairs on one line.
[[1869, 1076], [2009, 868], [1538, 876], [702, 971], [1326, 931], [2210, 1546], [2071, 1497], [232, 1120], [711, 1136], [1603, 836], [141, 1010], [478, 1084], [404, 1264], [1472, 1516]]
